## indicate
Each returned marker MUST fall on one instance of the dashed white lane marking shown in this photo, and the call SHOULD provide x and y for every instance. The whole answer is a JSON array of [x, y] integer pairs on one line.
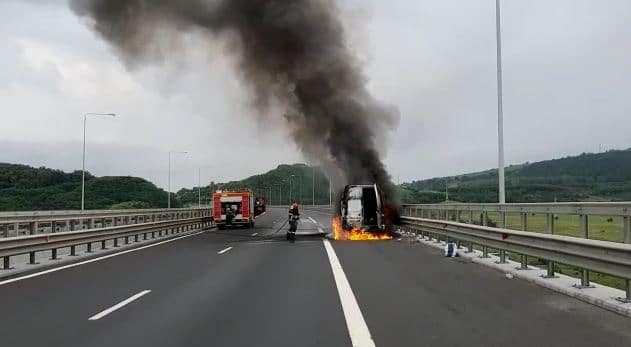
[[224, 250], [355, 323], [255, 234], [119, 305], [93, 260], [313, 220]]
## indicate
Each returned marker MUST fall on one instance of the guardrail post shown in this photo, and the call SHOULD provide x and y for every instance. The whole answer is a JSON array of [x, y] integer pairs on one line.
[[16, 228], [502, 257], [6, 263], [32, 228], [550, 272], [116, 242], [53, 254], [523, 263], [136, 238], [89, 246], [523, 221], [485, 218], [103, 245], [470, 217], [31, 258], [584, 280], [73, 250], [550, 223], [485, 252], [502, 224], [91, 223], [523, 216], [126, 240], [627, 230], [584, 226], [470, 248], [53, 224], [144, 236], [627, 290]]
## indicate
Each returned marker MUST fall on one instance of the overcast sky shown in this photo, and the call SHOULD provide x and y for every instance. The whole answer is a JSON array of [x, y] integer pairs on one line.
[[567, 79]]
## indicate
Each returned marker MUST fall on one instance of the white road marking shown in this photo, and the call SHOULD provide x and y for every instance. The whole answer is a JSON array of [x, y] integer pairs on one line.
[[255, 234], [92, 260], [320, 231], [224, 250], [313, 220], [119, 305], [355, 323]]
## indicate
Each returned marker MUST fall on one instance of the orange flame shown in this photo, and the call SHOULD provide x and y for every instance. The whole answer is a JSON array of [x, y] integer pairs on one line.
[[355, 234]]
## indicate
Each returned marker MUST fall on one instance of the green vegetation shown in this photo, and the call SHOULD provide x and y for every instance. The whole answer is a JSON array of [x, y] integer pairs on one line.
[[275, 182], [587, 177], [24, 188]]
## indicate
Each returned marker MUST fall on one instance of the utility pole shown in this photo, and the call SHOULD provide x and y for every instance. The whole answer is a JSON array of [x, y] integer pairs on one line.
[[313, 187], [500, 111]]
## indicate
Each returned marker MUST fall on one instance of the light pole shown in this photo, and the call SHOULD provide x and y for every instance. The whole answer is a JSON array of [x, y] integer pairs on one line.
[[85, 118], [290, 177], [199, 185], [330, 192], [500, 111], [313, 186], [280, 194], [169, 193]]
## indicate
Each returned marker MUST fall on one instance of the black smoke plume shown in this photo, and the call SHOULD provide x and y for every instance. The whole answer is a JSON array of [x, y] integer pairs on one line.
[[292, 54]]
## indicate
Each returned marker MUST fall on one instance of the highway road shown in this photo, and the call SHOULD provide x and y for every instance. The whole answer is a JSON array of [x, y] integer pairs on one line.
[[250, 287]]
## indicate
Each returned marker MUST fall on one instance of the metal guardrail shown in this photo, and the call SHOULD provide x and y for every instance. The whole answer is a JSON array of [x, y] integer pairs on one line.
[[447, 220], [37, 222], [31, 244], [551, 210]]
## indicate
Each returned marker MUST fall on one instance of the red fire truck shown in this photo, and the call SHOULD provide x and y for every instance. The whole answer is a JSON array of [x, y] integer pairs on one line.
[[236, 208]]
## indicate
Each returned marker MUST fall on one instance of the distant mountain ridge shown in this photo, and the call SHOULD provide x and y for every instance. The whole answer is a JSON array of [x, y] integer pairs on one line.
[[25, 188], [586, 177]]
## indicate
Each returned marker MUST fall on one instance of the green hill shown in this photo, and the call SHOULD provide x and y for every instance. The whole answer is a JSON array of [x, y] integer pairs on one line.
[[276, 179], [24, 188], [586, 177]]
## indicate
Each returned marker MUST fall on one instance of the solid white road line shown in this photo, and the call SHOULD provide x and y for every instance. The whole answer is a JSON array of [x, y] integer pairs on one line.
[[93, 260], [355, 323], [313, 220], [255, 234], [224, 250], [119, 305]]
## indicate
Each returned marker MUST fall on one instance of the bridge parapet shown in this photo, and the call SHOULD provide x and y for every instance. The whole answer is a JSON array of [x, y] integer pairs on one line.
[[31, 232]]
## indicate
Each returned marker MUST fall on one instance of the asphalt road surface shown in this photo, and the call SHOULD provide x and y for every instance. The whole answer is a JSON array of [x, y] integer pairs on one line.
[[250, 287]]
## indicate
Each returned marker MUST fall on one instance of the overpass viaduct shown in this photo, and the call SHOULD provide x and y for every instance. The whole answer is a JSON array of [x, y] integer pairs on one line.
[[167, 278]]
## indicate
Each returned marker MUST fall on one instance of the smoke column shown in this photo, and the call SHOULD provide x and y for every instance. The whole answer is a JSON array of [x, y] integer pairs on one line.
[[291, 54]]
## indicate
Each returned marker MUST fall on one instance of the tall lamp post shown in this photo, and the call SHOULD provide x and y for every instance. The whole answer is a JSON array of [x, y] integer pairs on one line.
[[500, 111], [199, 184], [312, 186], [290, 190], [280, 194], [85, 118], [169, 193]]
